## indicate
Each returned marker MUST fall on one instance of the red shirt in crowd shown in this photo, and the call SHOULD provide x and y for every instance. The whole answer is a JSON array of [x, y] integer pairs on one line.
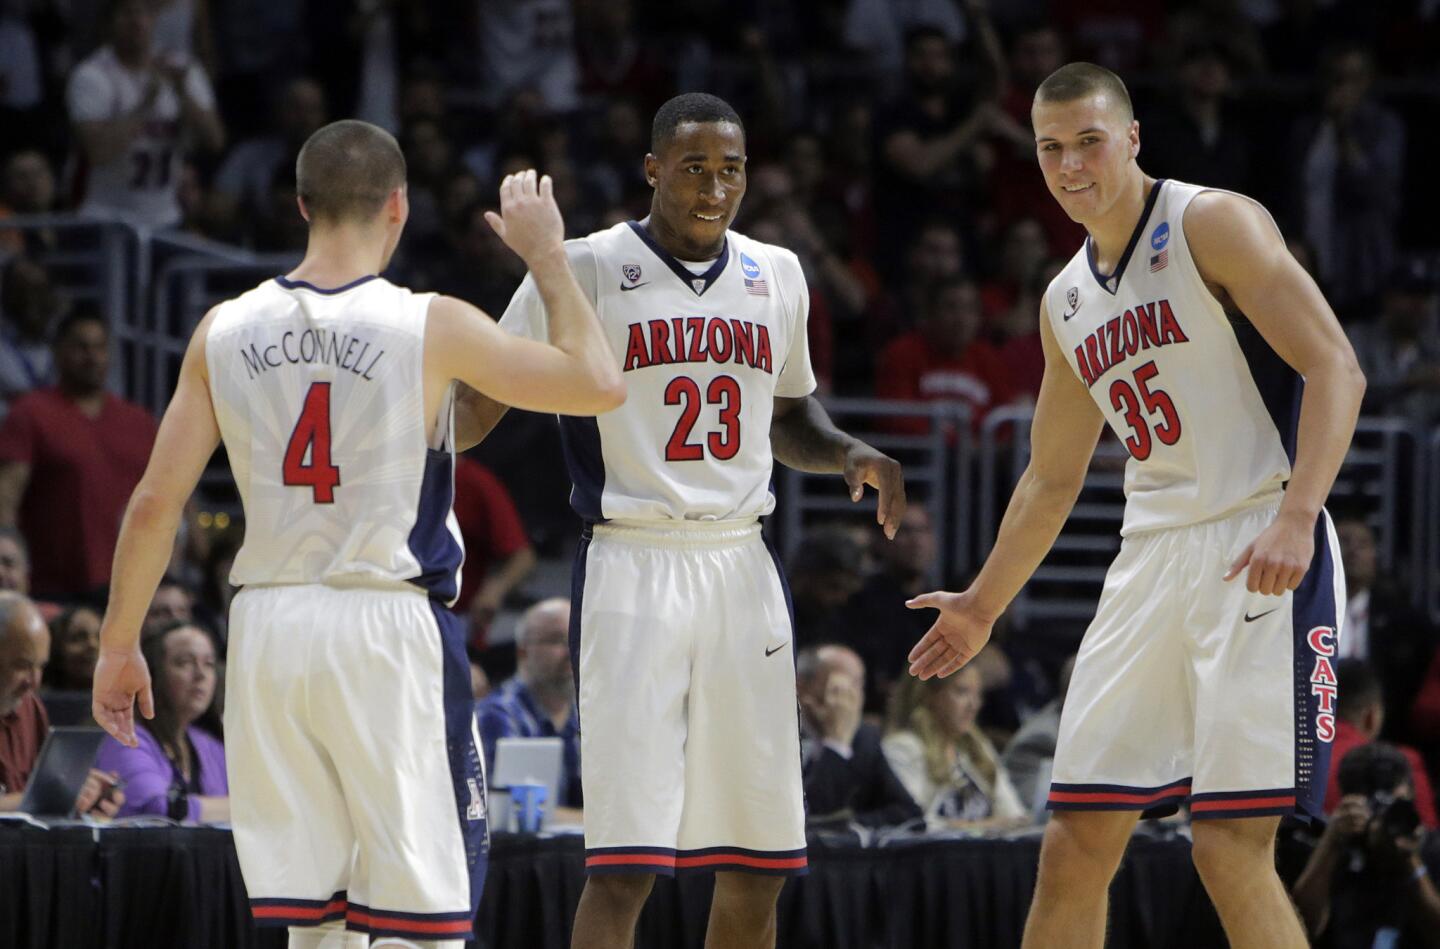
[[21, 734], [910, 369], [1348, 737], [489, 525], [82, 473]]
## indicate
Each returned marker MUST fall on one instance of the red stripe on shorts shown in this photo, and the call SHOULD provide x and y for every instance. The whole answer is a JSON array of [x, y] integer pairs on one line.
[[434, 927], [1243, 803], [1111, 797], [297, 912], [743, 860]]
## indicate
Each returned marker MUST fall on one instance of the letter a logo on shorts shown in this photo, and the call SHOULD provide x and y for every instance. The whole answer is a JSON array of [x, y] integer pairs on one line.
[[476, 810]]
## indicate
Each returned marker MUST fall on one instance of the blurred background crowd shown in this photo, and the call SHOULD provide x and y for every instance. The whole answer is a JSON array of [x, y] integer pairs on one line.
[[889, 147]]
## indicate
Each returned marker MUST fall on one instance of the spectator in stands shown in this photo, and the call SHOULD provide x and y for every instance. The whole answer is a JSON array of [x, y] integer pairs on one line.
[[74, 647], [539, 700], [28, 187], [529, 44], [173, 603], [1367, 883], [1023, 251], [846, 774], [1382, 626], [944, 359], [14, 561], [479, 268], [1196, 136], [1031, 750], [1359, 719], [946, 763], [70, 455], [178, 768], [240, 194], [30, 307], [823, 572], [1351, 157], [876, 623], [135, 115], [498, 555], [925, 145], [1400, 352], [24, 651]]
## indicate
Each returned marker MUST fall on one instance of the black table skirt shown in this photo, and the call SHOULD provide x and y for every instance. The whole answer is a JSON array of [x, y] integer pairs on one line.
[[155, 888]]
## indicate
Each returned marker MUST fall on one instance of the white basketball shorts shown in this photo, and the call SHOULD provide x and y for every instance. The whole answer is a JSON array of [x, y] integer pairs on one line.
[[681, 639], [357, 788], [1191, 689]]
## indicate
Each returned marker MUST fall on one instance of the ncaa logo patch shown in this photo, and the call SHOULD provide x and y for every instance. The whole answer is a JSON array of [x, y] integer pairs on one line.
[[749, 267], [1160, 236], [631, 272]]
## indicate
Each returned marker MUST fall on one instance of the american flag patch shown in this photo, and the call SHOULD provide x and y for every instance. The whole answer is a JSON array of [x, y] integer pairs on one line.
[[1159, 261], [757, 286]]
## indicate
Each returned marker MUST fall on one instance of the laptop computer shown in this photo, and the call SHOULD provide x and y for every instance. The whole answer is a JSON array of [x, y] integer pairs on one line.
[[525, 761], [65, 761]]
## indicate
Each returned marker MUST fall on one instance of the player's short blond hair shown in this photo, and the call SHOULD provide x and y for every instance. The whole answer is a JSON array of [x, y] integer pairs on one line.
[[1081, 80], [346, 170]]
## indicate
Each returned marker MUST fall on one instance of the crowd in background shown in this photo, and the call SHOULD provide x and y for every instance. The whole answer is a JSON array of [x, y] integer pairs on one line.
[[889, 147]]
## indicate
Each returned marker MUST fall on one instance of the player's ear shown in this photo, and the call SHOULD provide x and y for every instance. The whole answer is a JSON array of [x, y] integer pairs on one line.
[[652, 169], [300, 203], [1134, 138]]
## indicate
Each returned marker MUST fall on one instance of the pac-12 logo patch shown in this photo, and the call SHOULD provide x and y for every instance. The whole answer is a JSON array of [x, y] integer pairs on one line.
[[1160, 236], [1072, 300], [749, 267], [631, 272]]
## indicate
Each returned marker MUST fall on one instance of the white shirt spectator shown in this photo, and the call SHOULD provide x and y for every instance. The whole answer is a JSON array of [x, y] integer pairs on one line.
[[142, 184]]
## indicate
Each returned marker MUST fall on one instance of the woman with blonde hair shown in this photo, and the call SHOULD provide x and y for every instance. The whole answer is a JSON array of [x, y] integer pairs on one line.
[[944, 760]]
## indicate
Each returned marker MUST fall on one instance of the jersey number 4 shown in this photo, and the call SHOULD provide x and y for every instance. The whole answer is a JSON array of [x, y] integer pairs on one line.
[[1124, 398], [312, 438], [723, 391]]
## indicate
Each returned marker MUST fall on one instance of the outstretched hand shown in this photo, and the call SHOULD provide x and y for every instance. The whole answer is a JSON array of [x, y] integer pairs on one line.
[[959, 633], [864, 465], [120, 679], [529, 221]]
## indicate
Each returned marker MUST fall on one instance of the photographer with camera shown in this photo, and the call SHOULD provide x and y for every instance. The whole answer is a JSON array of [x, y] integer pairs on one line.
[[1367, 883]]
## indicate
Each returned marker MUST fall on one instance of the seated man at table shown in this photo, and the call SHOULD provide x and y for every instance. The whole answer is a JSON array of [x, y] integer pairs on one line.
[[24, 651], [539, 700], [845, 772]]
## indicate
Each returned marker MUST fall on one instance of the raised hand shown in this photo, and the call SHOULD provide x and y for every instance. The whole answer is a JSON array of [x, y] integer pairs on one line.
[[529, 220]]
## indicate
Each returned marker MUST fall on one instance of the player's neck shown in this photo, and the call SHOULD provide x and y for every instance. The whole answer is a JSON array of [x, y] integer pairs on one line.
[[336, 257], [674, 243], [1110, 235]]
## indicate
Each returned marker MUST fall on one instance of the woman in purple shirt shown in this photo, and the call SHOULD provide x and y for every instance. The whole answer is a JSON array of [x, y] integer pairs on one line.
[[178, 769]]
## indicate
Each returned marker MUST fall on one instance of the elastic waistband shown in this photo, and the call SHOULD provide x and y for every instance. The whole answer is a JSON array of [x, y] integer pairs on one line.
[[679, 533], [354, 581]]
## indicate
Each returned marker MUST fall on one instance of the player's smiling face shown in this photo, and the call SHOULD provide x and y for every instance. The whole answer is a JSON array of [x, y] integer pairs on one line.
[[1087, 150], [699, 180]]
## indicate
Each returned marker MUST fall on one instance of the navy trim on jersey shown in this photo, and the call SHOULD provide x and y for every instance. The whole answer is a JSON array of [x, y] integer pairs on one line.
[[680, 270], [1312, 605], [580, 441], [1279, 385], [465, 763], [577, 605], [289, 284], [431, 542], [1105, 280]]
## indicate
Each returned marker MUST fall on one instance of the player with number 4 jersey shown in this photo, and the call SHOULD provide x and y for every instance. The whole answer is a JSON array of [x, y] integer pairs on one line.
[[357, 785]]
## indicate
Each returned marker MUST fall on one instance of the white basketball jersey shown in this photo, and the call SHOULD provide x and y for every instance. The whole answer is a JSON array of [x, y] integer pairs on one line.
[[704, 356], [1205, 408], [320, 399]]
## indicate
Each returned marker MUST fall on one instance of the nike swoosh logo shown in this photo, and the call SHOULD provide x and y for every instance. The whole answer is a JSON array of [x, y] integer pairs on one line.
[[771, 652], [1251, 619], [633, 286]]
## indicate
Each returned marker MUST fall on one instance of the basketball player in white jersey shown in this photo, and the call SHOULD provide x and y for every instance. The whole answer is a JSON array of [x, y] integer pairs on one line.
[[680, 627], [1207, 674], [356, 787]]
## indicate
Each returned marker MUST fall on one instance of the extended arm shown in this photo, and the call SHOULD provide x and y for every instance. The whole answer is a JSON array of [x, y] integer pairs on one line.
[[187, 438], [803, 437], [1062, 438], [1238, 248]]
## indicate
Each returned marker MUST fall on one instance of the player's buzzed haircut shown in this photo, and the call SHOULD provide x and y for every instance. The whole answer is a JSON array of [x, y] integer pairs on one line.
[[1079, 80], [346, 170], [698, 107]]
